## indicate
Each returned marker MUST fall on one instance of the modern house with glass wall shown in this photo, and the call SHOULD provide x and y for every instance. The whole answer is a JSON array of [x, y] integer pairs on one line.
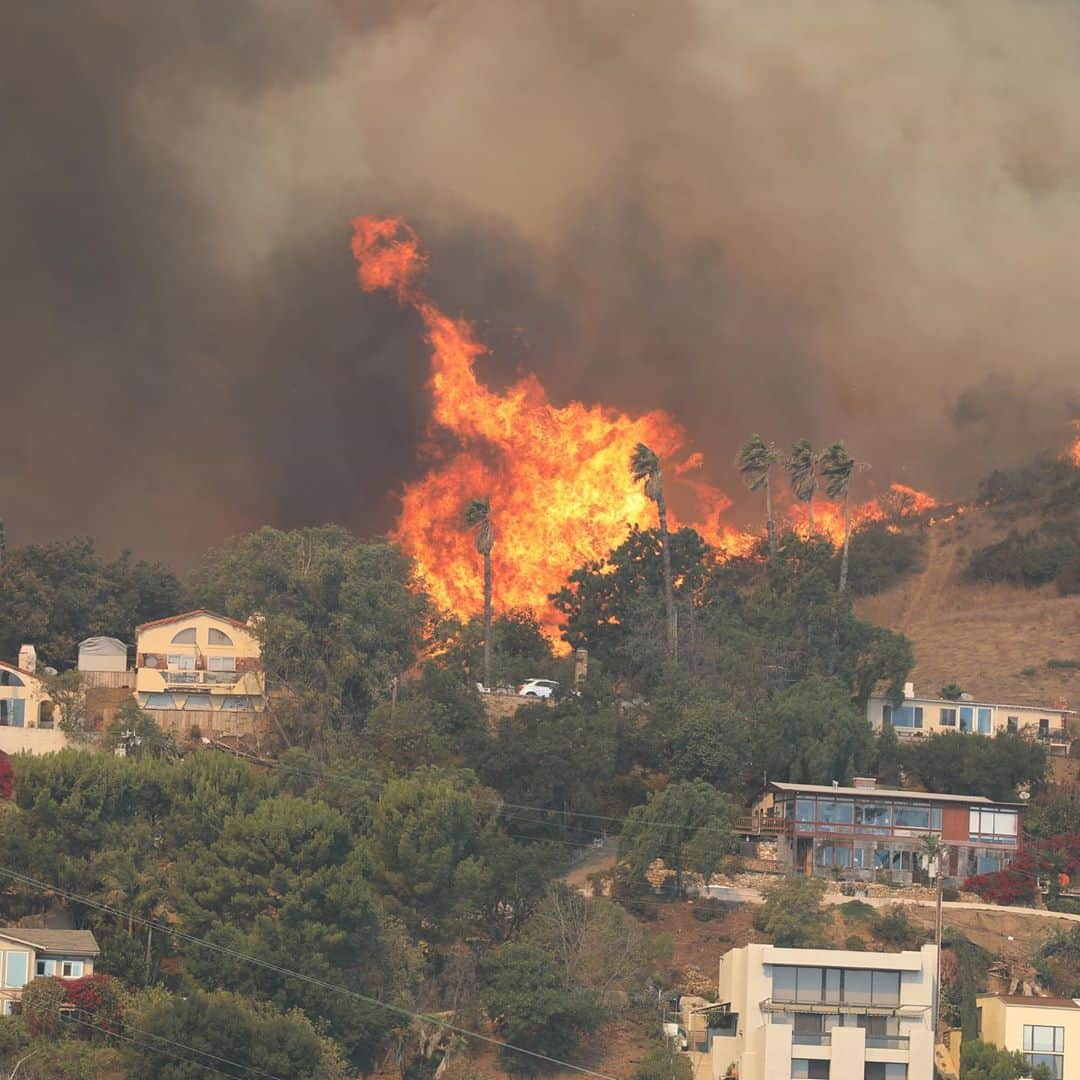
[[871, 833], [1045, 1030], [815, 1014], [917, 716]]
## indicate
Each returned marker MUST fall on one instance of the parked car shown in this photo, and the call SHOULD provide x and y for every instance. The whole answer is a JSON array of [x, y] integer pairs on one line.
[[538, 688]]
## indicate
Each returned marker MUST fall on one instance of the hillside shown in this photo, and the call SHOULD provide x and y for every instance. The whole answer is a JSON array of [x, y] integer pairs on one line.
[[983, 637]]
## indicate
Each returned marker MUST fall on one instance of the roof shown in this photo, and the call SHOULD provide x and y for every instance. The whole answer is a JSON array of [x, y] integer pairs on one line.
[[77, 942], [1039, 1002], [102, 644], [892, 793], [952, 703], [19, 670], [191, 615]]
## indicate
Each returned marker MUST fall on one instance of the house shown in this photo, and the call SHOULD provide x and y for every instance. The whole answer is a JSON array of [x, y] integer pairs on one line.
[[917, 716], [26, 954], [201, 671], [811, 1014], [28, 722], [1045, 1030], [103, 664], [867, 832]]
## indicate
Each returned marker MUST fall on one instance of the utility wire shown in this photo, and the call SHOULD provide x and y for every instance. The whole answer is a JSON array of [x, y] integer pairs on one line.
[[48, 887]]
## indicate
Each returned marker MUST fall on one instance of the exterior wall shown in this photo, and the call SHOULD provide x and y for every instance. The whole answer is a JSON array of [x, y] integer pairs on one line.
[[194, 691], [31, 693], [1002, 1023], [102, 654], [1051, 724], [10, 993], [764, 1042], [15, 740]]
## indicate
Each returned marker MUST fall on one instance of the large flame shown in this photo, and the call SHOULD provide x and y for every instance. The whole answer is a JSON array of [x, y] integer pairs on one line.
[[1074, 450], [557, 476]]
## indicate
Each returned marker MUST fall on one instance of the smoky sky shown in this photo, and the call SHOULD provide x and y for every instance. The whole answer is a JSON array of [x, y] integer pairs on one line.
[[858, 220]]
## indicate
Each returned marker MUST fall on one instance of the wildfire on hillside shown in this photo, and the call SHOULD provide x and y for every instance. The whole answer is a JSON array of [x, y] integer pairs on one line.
[[557, 476], [1074, 450]]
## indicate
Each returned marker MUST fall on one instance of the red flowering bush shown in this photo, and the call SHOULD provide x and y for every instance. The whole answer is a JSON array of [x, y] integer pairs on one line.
[[99, 997], [1056, 859], [7, 776]]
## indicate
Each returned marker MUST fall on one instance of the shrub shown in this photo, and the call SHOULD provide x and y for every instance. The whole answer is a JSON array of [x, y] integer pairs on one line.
[[1064, 665], [950, 894], [858, 911], [895, 929], [41, 1001], [878, 558], [855, 943]]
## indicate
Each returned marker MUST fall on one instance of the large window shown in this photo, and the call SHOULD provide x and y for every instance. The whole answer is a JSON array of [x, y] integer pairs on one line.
[[221, 663], [1045, 1045], [808, 1069], [967, 717], [184, 637], [948, 718], [833, 855], [996, 826], [903, 716], [878, 815], [884, 1070], [912, 817], [984, 721], [218, 637], [181, 662], [836, 811], [804, 810], [16, 968], [12, 712], [159, 701], [836, 986]]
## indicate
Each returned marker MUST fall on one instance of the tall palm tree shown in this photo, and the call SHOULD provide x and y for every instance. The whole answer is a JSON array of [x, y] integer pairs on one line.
[[837, 465], [802, 474], [755, 462], [478, 518], [645, 465]]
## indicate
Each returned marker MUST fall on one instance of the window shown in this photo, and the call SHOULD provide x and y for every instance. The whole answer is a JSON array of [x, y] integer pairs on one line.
[[835, 986], [948, 718], [221, 663], [885, 987], [808, 984], [804, 810], [235, 702], [833, 855], [159, 701], [12, 713], [218, 637], [181, 662], [884, 1070], [184, 637], [905, 716], [984, 721], [71, 969], [1012, 725], [1045, 1045], [783, 983], [876, 814], [1044, 728], [45, 967], [198, 701], [994, 825], [967, 717], [16, 968], [836, 811], [9, 678], [808, 1069], [912, 817]]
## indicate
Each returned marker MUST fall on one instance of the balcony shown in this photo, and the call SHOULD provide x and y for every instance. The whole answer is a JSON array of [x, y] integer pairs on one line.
[[888, 1042], [813, 1038], [200, 678]]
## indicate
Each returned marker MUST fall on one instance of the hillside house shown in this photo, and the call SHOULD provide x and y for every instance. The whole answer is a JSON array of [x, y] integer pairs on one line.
[[917, 716], [103, 664], [26, 954], [28, 722], [814, 1013], [201, 671], [867, 833], [1045, 1030]]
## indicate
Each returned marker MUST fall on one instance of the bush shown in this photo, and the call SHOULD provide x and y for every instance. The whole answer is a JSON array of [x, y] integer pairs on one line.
[[712, 908], [858, 911], [878, 558], [793, 915], [1063, 665], [950, 894], [895, 929], [41, 1001], [855, 943]]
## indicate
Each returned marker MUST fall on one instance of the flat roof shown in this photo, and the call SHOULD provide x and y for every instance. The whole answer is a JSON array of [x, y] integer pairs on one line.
[[1040, 1002], [950, 702], [891, 793]]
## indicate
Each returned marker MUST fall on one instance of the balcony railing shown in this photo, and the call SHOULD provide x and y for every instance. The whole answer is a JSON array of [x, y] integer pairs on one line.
[[887, 1042], [812, 1038], [200, 678]]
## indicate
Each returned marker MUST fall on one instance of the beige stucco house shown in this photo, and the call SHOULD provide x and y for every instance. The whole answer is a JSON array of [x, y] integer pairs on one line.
[[805, 1014], [28, 723], [1045, 1030], [201, 670], [919, 715], [27, 954]]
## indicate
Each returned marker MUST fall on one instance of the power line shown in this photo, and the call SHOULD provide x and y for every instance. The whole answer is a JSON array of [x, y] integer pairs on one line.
[[235, 954]]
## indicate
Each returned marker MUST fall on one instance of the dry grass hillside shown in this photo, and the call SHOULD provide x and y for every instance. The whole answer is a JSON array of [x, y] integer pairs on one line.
[[994, 640]]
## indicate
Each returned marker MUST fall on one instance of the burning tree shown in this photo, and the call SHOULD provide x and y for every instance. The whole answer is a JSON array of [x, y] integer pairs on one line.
[[478, 518], [645, 465], [802, 474], [755, 462]]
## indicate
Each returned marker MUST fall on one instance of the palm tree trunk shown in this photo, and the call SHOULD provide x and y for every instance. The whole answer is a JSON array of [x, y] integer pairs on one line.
[[810, 516], [847, 542], [487, 621], [770, 525], [669, 591]]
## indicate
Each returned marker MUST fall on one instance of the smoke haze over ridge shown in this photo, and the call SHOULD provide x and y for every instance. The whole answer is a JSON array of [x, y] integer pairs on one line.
[[857, 221]]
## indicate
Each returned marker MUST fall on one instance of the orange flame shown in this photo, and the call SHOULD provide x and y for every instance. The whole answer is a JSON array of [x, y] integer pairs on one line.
[[557, 477], [1074, 450]]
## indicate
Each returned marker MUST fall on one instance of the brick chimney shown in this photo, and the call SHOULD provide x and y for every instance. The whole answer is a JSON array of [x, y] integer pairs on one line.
[[28, 658], [868, 783]]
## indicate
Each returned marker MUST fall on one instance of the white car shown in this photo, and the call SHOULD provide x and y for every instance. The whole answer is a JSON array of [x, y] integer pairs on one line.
[[537, 688]]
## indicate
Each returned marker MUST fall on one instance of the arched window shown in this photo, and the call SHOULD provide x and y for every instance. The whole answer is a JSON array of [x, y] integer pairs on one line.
[[219, 637], [9, 678], [184, 637]]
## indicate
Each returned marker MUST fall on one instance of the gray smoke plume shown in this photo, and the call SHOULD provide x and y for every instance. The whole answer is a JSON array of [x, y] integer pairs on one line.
[[856, 221]]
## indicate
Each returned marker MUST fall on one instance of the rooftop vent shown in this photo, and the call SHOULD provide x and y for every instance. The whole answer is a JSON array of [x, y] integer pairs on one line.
[[909, 689]]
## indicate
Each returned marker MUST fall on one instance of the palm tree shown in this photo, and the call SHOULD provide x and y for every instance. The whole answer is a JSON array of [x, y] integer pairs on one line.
[[645, 465], [837, 466], [478, 518], [755, 462], [802, 474]]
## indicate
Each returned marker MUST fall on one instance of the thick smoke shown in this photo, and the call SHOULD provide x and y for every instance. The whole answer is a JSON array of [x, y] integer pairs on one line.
[[856, 221]]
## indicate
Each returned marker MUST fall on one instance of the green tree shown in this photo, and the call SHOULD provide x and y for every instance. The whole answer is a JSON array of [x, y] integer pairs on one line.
[[984, 1061], [712, 743], [755, 461], [689, 824], [478, 518], [645, 466], [67, 691], [227, 1026], [794, 915], [139, 733], [837, 466], [801, 467], [526, 996], [958, 764]]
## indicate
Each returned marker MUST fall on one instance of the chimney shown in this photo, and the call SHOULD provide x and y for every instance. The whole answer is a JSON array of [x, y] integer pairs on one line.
[[909, 689], [28, 658], [867, 783]]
